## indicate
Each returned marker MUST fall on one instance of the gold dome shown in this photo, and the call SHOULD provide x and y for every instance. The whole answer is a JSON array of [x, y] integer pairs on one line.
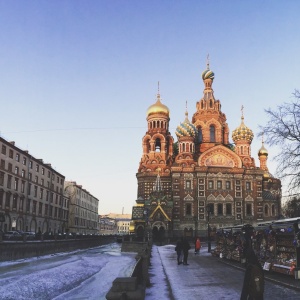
[[242, 133], [158, 107], [263, 150]]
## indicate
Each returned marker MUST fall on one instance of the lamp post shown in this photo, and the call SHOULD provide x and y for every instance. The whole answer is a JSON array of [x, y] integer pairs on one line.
[[146, 212], [208, 229]]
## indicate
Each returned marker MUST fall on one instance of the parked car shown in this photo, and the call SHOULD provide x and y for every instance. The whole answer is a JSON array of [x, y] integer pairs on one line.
[[30, 235], [12, 235]]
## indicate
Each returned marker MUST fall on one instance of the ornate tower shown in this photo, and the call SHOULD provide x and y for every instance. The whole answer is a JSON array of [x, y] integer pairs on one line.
[[242, 137], [157, 153], [263, 156], [186, 133], [208, 119], [157, 142]]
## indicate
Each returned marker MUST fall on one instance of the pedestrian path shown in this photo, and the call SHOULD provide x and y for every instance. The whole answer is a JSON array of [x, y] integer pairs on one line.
[[206, 277]]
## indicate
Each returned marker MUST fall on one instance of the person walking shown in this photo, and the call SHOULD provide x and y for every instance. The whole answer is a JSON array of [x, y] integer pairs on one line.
[[197, 245], [185, 249], [178, 249], [253, 286]]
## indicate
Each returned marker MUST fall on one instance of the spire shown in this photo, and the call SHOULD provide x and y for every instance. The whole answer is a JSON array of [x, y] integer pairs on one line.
[[207, 62]]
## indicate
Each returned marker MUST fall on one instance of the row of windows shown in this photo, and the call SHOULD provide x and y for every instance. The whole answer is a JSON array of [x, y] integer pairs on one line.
[[218, 185], [24, 162], [32, 206]]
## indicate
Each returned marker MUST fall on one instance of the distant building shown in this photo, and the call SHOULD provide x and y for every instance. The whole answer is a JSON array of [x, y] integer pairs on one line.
[[83, 209], [115, 223], [202, 178], [31, 192]]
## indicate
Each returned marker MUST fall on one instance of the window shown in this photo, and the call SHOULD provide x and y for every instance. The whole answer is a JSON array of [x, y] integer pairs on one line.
[[40, 208], [35, 191], [3, 150], [30, 164], [7, 199], [212, 134], [220, 209], [28, 205], [29, 188], [30, 176], [41, 193], [57, 180], [200, 135], [17, 157], [15, 200], [1, 178], [9, 167], [248, 209], [273, 210], [24, 161], [16, 170], [188, 209], [23, 173], [22, 186], [219, 184], [9, 177], [36, 179], [42, 182], [266, 210], [3, 164], [248, 186], [11, 153], [37, 168], [34, 207], [210, 209], [43, 171], [16, 184], [188, 184], [46, 209], [48, 174], [228, 209], [228, 185], [210, 184]]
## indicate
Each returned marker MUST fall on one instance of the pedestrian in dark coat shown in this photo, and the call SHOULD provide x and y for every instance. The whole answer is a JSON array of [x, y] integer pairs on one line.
[[178, 249], [185, 249], [253, 287]]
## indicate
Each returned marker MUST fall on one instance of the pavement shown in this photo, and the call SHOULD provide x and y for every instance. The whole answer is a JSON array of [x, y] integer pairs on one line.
[[208, 277]]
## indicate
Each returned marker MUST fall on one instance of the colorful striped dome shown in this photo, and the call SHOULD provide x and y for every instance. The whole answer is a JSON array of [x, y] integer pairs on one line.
[[186, 128], [208, 74]]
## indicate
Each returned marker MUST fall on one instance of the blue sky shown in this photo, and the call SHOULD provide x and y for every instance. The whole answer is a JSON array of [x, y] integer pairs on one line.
[[77, 77]]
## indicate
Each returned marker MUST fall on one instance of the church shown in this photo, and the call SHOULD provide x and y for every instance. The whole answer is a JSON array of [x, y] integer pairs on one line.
[[200, 180]]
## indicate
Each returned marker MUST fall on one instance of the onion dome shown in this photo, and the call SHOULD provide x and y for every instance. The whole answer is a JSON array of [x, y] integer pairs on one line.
[[208, 74], [242, 133], [186, 128], [263, 150], [158, 107]]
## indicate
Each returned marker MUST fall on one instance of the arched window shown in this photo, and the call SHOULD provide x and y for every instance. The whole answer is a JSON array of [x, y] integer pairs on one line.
[[273, 210], [210, 103], [200, 136], [266, 210], [157, 145], [212, 133], [183, 147]]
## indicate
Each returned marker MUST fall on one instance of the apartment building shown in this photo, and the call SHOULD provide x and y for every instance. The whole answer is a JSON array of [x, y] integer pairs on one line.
[[31, 192], [83, 209]]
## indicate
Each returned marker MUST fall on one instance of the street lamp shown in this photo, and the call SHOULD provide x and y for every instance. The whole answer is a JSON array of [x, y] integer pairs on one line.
[[146, 212], [208, 229]]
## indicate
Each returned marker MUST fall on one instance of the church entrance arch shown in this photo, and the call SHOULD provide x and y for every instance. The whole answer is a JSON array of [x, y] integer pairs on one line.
[[158, 231], [140, 232]]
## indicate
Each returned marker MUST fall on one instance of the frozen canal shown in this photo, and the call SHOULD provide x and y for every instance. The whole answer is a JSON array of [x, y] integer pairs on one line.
[[85, 274]]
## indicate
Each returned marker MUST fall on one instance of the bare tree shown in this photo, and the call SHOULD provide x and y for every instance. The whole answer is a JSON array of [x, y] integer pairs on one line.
[[283, 130]]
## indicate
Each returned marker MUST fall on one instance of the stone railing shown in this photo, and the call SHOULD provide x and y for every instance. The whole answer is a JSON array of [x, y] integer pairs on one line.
[[20, 250], [133, 287]]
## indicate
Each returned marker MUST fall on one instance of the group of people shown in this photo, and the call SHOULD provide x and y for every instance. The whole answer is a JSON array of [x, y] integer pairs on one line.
[[253, 285], [182, 248]]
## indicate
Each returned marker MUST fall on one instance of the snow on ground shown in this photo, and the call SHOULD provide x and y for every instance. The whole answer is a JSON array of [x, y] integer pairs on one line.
[[86, 274]]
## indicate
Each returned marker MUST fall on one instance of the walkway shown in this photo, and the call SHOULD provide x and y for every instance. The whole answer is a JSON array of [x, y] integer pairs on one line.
[[207, 277]]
